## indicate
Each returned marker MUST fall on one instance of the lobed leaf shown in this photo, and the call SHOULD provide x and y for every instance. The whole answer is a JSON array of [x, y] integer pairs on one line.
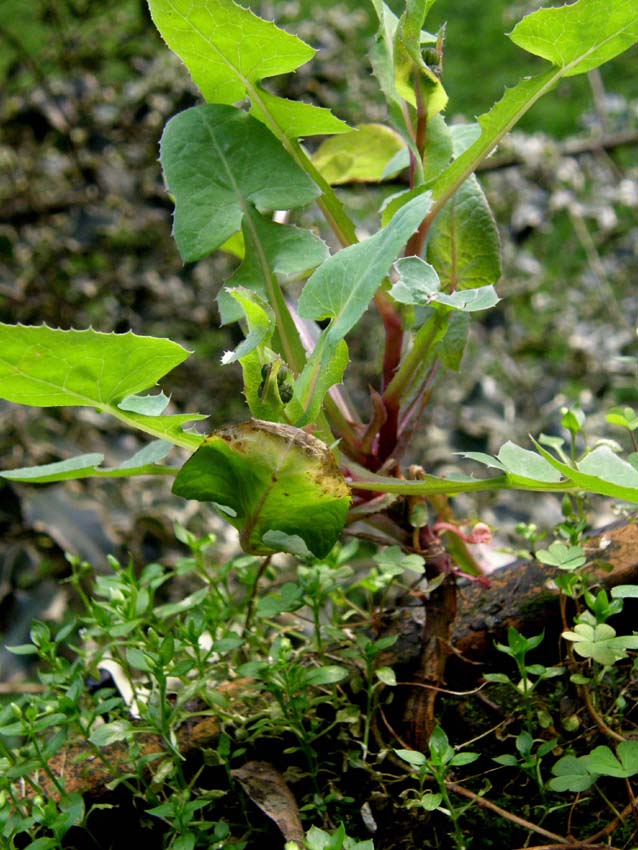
[[229, 51], [47, 367], [218, 162], [579, 36]]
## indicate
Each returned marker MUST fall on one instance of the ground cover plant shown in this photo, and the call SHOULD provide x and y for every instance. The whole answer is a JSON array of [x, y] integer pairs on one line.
[[311, 463]]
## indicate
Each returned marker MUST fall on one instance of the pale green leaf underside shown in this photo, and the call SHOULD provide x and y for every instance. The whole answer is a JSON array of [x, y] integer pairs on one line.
[[218, 161], [229, 51], [419, 284], [259, 318], [273, 478], [144, 462], [601, 471], [48, 367]]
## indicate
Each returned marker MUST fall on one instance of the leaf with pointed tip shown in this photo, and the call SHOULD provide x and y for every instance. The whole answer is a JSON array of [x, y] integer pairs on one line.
[[260, 319], [229, 51], [272, 478], [464, 245], [342, 288], [144, 462], [361, 155], [579, 36], [271, 248], [324, 369], [526, 465], [601, 471], [48, 367], [217, 160]]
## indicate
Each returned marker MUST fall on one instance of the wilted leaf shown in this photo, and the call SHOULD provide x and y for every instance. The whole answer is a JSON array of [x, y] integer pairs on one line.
[[360, 155], [267, 789], [272, 478]]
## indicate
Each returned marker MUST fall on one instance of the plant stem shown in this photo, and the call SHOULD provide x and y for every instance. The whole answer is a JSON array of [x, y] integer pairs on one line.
[[413, 361]]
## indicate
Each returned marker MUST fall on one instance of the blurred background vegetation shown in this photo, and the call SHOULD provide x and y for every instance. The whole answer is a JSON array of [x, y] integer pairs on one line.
[[86, 87]]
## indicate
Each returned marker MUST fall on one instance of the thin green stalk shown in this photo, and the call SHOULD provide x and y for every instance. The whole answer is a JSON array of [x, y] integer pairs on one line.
[[413, 360], [45, 766]]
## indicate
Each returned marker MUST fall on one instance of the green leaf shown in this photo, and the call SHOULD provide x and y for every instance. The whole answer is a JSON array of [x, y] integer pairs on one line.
[[571, 774], [625, 591], [272, 477], [186, 841], [626, 417], [464, 244], [343, 286], [450, 349], [418, 281], [461, 759], [602, 761], [360, 155], [109, 733], [229, 50], [328, 675], [419, 284], [601, 471], [430, 801], [217, 160], [148, 405], [47, 367], [600, 643], [412, 757], [260, 320], [144, 462], [484, 458], [579, 36], [284, 250], [409, 63], [324, 369], [562, 556], [525, 464], [386, 675]]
